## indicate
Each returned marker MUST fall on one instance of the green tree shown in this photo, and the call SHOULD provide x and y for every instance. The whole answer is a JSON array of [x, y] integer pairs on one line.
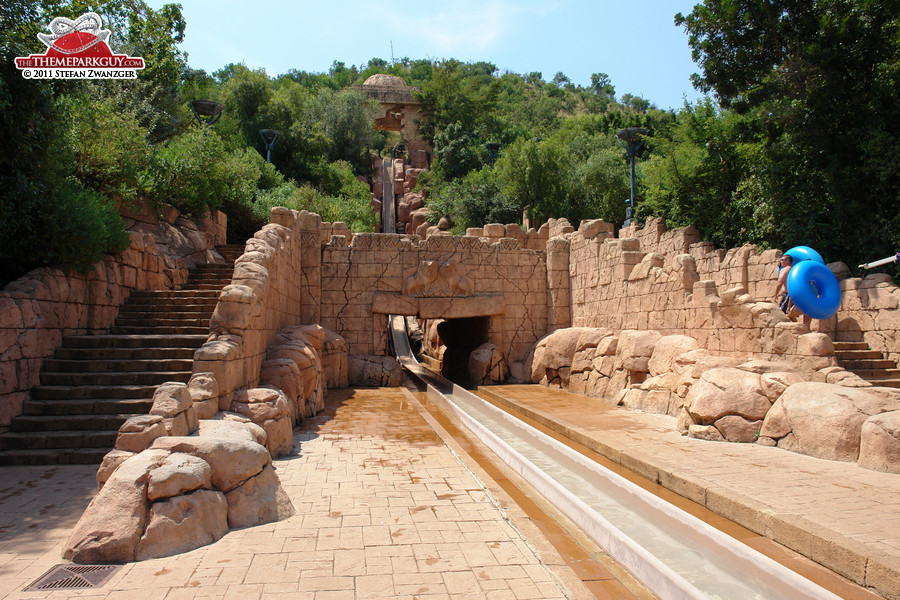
[[820, 78], [535, 175]]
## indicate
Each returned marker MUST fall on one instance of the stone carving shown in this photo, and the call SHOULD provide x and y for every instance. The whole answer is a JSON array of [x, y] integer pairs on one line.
[[437, 278]]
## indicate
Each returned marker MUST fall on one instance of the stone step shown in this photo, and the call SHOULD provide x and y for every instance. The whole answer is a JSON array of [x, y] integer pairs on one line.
[[159, 321], [104, 354], [142, 303], [84, 392], [839, 346], [113, 379], [175, 294], [850, 355], [879, 374], [161, 330], [155, 310], [94, 365], [867, 364], [893, 383], [62, 424], [135, 341], [61, 456], [93, 406], [75, 438]]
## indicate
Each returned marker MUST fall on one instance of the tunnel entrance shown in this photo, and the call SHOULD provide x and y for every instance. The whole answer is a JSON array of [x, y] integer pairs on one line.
[[460, 337]]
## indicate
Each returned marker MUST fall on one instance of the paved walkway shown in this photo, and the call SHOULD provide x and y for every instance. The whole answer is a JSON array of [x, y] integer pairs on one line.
[[385, 509], [840, 515]]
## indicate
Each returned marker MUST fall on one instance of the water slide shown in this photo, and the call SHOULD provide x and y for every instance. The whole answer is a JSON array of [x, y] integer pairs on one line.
[[674, 554]]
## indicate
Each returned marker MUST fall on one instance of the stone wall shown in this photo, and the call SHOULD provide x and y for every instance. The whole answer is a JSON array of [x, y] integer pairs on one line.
[[38, 309], [276, 284], [442, 276], [669, 281], [870, 312]]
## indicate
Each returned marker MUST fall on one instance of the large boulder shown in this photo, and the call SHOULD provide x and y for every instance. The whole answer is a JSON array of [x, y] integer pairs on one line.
[[138, 432], [112, 524], [270, 409], [375, 371], [824, 420], [729, 392], [879, 442], [233, 460], [665, 352], [487, 365], [182, 523], [553, 355], [260, 499]]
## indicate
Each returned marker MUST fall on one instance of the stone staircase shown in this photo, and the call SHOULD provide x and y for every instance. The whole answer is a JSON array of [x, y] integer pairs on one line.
[[92, 383], [870, 365]]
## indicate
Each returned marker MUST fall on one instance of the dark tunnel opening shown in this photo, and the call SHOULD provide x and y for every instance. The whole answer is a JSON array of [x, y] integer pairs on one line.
[[461, 337]]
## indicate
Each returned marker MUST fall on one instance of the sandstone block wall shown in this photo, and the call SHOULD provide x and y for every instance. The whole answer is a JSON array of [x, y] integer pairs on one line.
[[38, 309], [669, 281], [452, 275]]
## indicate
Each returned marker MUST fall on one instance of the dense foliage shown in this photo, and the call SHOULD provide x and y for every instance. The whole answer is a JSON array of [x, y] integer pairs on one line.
[[795, 143]]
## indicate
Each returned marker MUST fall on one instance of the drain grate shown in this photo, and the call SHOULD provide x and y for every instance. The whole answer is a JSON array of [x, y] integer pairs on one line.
[[73, 577]]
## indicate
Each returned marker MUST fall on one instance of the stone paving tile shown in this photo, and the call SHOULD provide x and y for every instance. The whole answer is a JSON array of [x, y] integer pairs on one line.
[[384, 510]]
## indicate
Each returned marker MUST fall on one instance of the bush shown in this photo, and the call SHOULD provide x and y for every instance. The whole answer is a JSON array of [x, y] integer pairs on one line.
[[69, 227]]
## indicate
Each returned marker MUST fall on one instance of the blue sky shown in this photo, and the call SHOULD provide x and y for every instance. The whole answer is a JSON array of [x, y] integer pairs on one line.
[[635, 42]]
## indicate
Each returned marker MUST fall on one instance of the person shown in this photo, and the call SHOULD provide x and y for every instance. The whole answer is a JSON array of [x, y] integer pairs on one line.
[[784, 300]]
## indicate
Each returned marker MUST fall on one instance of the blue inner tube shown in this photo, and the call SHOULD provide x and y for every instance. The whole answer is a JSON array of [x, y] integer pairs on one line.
[[799, 253], [814, 289]]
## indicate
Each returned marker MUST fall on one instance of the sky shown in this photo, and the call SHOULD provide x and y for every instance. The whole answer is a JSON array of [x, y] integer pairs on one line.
[[635, 42]]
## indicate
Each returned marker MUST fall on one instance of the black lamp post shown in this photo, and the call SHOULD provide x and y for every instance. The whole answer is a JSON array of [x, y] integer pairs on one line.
[[492, 148], [207, 112], [269, 137], [632, 139]]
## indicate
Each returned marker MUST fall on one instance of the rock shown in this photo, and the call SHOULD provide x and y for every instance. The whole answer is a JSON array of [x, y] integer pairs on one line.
[[635, 349], [666, 350], [735, 428], [824, 420], [183, 523], [228, 424], [204, 391], [283, 374], [112, 524], [178, 474], [110, 463], [773, 384], [705, 432], [233, 460], [879, 443], [138, 432], [487, 365], [375, 371], [269, 408], [726, 391], [170, 399], [335, 360], [259, 500], [554, 353]]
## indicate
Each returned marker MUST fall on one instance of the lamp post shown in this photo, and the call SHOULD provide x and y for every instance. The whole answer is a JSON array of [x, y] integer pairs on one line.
[[632, 139], [492, 148], [269, 137], [207, 112]]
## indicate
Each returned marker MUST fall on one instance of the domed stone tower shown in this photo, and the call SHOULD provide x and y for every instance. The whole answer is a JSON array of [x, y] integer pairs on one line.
[[399, 112]]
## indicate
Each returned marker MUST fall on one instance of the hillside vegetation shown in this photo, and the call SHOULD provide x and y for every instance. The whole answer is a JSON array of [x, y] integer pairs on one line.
[[796, 142]]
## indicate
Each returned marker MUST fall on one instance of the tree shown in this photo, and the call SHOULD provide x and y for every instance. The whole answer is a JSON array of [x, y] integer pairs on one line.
[[820, 79]]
